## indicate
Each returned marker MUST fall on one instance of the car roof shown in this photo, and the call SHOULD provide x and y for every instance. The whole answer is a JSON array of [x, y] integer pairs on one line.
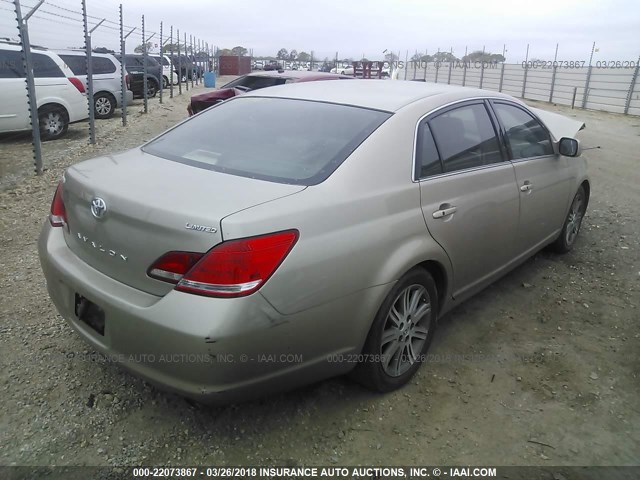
[[300, 75], [388, 95], [83, 53]]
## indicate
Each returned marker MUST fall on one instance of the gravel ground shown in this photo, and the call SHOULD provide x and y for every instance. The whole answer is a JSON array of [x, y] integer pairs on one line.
[[539, 369]]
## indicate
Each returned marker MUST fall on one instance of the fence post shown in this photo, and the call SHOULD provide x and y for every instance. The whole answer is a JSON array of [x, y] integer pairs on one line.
[[171, 60], [526, 70], [31, 88], [186, 54], [122, 52], [406, 64], [464, 70], [632, 87], [585, 94], [501, 76], [87, 48], [553, 75], [450, 68], [161, 64], [482, 66], [144, 69], [123, 80], [553, 83], [90, 99], [193, 63], [179, 63], [426, 63], [437, 65]]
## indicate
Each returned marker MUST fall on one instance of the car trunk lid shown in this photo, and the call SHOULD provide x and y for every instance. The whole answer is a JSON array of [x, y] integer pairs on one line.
[[145, 206]]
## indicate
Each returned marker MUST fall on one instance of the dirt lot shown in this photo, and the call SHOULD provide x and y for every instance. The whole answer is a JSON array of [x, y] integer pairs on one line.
[[539, 369]]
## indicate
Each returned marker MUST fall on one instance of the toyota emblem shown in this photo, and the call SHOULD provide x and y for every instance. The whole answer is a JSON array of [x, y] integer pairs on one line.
[[98, 207]]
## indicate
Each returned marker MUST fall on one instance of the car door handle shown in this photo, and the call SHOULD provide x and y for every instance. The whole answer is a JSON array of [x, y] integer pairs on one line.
[[527, 186], [443, 212]]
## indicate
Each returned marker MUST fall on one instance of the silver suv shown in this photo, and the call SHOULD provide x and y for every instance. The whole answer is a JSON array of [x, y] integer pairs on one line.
[[107, 80]]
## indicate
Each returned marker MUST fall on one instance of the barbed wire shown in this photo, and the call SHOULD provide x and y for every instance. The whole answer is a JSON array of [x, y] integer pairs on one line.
[[115, 25]]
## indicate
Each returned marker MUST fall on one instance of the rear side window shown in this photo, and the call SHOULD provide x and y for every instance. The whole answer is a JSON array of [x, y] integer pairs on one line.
[[77, 63], [45, 67], [465, 138], [103, 65], [526, 136], [11, 64], [132, 62], [427, 158], [281, 140], [255, 82]]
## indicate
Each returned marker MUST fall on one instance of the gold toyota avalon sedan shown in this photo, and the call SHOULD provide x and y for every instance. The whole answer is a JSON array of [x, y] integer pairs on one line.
[[307, 230]]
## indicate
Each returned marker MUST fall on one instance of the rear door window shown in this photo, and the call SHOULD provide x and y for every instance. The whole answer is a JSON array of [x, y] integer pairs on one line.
[[11, 64], [465, 138], [45, 67]]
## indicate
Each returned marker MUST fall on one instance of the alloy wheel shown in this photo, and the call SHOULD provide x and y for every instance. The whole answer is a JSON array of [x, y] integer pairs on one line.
[[406, 330], [574, 220]]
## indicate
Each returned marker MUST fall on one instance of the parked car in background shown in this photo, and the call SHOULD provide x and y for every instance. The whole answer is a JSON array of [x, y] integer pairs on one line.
[[107, 79], [272, 65], [168, 70], [184, 64], [344, 70], [60, 95], [257, 65], [135, 64], [255, 81], [440, 191]]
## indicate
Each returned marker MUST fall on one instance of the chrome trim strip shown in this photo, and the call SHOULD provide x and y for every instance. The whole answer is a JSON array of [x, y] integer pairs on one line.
[[441, 107], [213, 288]]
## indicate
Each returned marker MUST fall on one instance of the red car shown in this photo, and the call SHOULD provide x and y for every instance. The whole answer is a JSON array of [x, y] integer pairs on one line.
[[255, 81]]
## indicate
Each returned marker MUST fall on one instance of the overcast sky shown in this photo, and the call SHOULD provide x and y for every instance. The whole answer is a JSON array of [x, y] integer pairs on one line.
[[356, 27]]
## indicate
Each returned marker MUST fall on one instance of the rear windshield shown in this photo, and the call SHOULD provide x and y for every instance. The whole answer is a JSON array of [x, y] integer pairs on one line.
[[255, 82], [280, 140]]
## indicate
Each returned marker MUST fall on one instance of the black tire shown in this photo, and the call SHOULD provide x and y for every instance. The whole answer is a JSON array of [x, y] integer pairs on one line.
[[152, 88], [104, 104], [565, 242], [165, 82], [383, 350], [53, 122]]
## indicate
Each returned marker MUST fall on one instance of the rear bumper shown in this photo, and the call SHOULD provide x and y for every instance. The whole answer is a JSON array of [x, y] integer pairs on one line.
[[212, 350]]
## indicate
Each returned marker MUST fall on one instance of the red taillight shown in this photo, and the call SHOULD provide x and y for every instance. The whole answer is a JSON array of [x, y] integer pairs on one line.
[[126, 80], [58, 216], [231, 269], [76, 82]]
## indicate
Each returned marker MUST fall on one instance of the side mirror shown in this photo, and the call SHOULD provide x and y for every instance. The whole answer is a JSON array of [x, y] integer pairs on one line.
[[569, 147]]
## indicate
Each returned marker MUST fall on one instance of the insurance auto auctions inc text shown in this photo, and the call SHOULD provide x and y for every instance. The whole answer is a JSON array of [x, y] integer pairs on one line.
[[376, 472]]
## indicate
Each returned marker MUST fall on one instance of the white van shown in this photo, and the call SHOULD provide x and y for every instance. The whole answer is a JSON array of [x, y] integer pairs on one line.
[[60, 97]]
